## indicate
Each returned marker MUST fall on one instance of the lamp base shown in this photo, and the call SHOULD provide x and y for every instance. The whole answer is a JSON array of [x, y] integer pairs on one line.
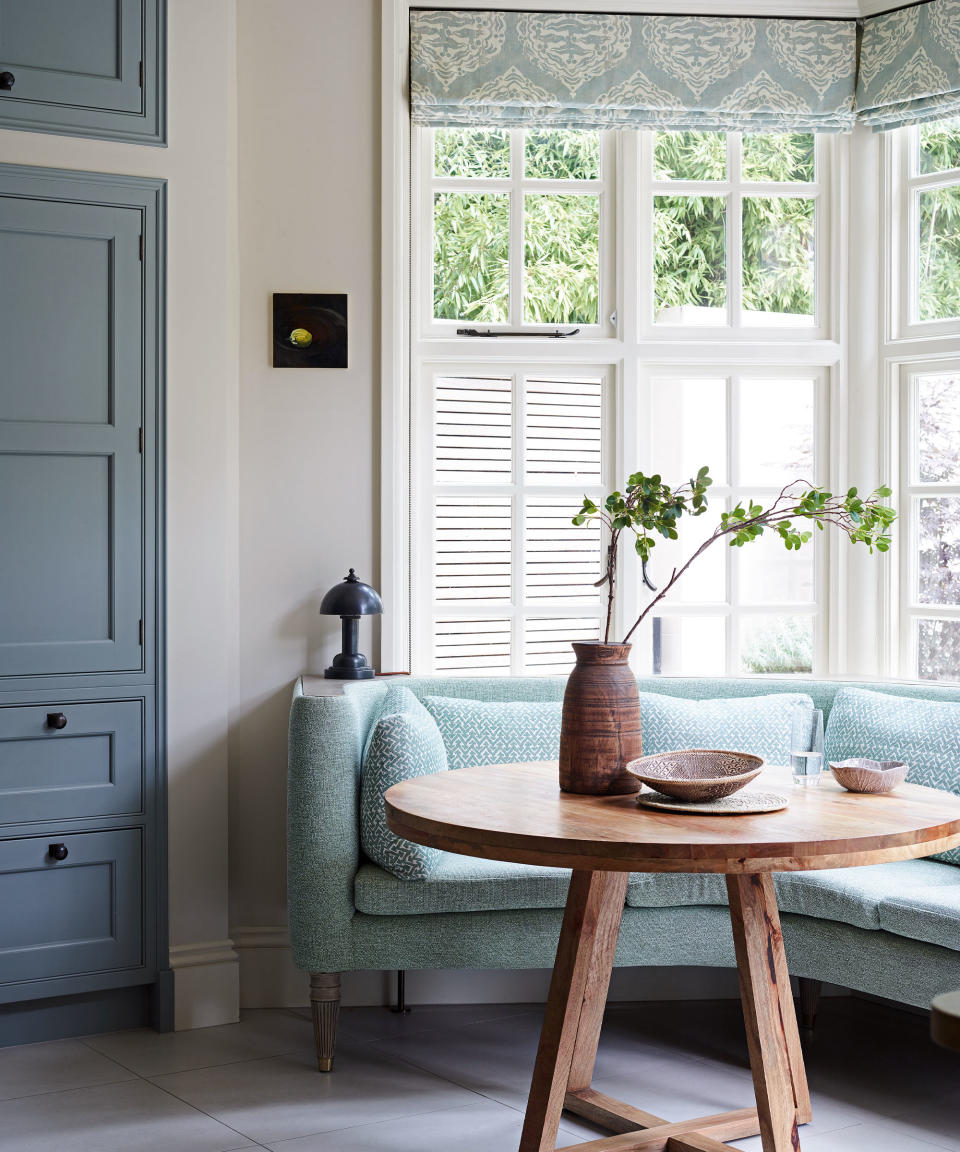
[[350, 673]]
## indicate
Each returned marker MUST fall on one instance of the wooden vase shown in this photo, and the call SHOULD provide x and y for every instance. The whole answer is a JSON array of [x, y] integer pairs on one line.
[[600, 730]]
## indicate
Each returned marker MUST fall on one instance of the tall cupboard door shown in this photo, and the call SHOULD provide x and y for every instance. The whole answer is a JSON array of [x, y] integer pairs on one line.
[[71, 401], [85, 68], [73, 53]]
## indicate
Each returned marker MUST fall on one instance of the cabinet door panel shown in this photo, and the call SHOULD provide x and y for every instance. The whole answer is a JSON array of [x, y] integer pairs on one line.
[[92, 766], [70, 412], [68, 53], [72, 916]]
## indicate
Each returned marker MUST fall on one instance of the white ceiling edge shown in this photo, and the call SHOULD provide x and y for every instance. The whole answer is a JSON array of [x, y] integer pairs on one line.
[[838, 9]]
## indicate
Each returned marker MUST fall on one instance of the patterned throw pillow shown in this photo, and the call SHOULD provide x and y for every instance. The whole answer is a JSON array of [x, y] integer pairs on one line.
[[757, 724], [482, 732], [403, 745], [923, 733]]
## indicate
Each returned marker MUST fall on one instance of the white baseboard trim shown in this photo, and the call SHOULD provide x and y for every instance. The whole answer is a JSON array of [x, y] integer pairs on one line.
[[269, 979], [206, 984], [268, 976]]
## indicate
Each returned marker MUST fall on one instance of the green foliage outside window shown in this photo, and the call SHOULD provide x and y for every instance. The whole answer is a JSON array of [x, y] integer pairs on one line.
[[938, 225], [784, 647], [690, 231]]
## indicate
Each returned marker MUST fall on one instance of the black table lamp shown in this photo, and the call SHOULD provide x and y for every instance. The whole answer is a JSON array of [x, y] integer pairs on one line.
[[351, 599]]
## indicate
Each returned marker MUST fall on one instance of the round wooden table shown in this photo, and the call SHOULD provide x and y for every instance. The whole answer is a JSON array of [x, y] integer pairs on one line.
[[516, 812]]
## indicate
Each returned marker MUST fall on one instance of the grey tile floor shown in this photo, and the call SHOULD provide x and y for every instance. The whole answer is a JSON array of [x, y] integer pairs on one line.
[[457, 1077]]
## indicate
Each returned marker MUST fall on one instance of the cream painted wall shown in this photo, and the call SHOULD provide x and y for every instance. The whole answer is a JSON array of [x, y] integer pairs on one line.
[[200, 165], [309, 207]]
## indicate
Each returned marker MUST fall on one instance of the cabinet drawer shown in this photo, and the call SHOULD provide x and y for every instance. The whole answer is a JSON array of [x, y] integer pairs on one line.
[[72, 916], [92, 766]]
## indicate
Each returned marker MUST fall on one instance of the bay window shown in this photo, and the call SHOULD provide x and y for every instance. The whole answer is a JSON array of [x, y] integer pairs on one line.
[[924, 352], [586, 304]]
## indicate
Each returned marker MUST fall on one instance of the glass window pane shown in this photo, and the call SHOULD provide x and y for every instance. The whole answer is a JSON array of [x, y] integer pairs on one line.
[[562, 155], [466, 152], [561, 242], [776, 432], [478, 647], [473, 431], [940, 146], [768, 574], [776, 645], [938, 263], [472, 548], [690, 259], [938, 432], [564, 435], [561, 559], [689, 645], [780, 157], [778, 258], [690, 156], [471, 244], [690, 417], [704, 582], [938, 649], [547, 643], [938, 569]]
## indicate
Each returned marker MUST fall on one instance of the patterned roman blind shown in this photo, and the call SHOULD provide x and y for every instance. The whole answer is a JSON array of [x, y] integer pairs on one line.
[[593, 71], [910, 65]]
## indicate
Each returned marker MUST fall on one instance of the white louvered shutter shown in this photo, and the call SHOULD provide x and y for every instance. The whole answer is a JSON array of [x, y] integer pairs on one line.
[[513, 580]]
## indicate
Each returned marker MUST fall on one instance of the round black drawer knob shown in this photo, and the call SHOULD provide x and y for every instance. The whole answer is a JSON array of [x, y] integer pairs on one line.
[[7, 81], [56, 720], [57, 851]]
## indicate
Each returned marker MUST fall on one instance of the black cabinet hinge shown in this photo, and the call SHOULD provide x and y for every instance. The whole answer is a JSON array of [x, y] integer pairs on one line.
[[141, 633], [141, 247], [141, 73], [140, 441]]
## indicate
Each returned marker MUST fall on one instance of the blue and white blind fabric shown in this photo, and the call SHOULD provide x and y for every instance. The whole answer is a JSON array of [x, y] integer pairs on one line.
[[600, 70], [593, 71], [910, 65]]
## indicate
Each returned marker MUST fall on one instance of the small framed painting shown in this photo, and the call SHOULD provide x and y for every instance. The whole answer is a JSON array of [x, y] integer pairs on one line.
[[309, 330]]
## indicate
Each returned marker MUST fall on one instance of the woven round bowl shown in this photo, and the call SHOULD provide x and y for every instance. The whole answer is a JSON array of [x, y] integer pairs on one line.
[[698, 773], [863, 775]]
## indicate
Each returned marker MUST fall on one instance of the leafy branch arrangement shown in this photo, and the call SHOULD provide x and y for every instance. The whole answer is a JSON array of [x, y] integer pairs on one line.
[[649, 508]]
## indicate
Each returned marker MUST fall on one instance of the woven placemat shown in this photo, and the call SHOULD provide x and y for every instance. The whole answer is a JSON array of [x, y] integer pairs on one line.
[[739, 804]]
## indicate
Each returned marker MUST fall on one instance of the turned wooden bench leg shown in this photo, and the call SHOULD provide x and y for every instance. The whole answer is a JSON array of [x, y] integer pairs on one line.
[[809, 1001], [779, 1079], [325, 1006]]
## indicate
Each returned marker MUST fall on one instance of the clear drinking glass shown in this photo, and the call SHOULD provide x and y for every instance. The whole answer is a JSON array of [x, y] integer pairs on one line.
[[806, 745]]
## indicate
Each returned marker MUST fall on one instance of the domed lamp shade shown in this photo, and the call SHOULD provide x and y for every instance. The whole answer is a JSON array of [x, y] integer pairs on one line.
[[351, 599]]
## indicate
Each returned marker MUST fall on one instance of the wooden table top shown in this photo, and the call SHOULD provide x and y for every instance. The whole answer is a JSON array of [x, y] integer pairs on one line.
[[517, 812]]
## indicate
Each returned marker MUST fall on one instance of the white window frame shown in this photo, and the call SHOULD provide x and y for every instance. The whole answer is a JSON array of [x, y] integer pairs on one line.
[[735, 189], [911, 489], [732, 610], [517, 185], [631, 344], [907, 182], [909, 348]]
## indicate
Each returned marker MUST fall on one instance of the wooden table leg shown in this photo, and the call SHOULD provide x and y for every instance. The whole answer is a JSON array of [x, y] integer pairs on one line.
[[578, 990], [779, 1079]]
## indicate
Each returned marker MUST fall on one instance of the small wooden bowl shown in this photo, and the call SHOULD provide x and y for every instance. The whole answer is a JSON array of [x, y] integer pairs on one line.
[[698, 773], [862, 775]]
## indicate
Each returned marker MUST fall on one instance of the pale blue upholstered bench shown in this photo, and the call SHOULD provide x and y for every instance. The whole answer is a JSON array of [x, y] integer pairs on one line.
[[889, 929]]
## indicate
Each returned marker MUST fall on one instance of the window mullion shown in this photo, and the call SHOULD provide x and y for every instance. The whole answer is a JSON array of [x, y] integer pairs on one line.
[[516, 257], [734, 232]]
